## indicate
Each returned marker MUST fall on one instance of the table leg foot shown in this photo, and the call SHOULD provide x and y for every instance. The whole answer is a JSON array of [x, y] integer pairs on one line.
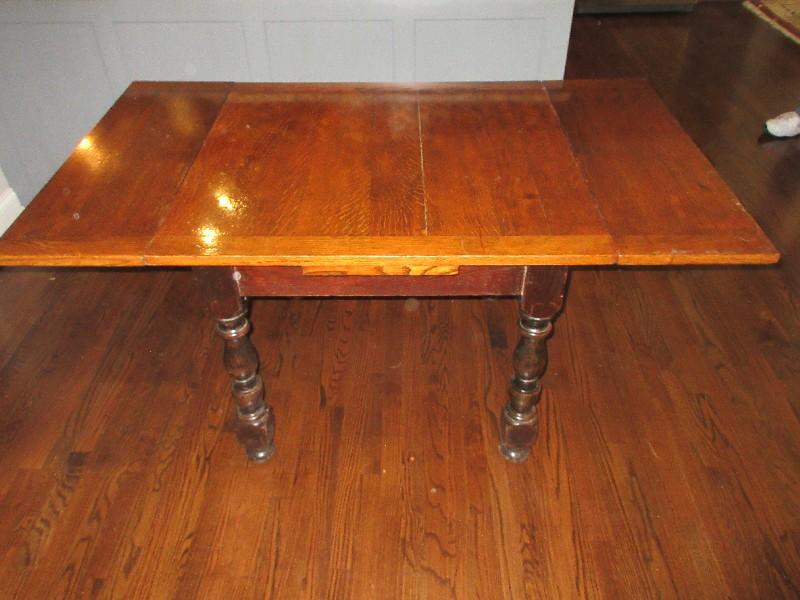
[[256, 422], [255, 430], [519, 420]]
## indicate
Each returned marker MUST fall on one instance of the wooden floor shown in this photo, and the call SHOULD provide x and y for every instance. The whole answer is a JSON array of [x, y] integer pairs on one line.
[[669, 462]]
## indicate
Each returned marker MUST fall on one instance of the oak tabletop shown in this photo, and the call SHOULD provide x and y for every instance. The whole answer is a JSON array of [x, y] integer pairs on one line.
[[400, 178]]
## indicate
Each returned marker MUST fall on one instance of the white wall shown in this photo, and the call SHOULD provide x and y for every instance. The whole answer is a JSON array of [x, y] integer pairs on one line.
[[63, 62]]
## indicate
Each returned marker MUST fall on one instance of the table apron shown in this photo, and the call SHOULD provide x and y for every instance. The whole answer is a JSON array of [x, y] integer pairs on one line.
[[468, 281]]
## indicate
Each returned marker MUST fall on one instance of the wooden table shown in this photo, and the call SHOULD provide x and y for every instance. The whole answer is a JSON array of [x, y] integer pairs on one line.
[[386, 190]]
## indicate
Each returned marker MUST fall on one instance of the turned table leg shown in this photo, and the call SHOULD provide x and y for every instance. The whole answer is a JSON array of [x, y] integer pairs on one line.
[[541, 299], [256, 422]]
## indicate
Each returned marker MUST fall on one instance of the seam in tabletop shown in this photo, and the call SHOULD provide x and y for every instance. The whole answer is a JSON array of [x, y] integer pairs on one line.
[[422, 168]]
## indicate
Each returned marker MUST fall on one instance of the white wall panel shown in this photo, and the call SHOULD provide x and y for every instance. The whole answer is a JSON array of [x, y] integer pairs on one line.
[[477, 49], [330, 50], [203, 51]]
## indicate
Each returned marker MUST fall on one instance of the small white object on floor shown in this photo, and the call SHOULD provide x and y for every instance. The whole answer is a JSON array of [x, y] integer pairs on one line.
[[785, 125]]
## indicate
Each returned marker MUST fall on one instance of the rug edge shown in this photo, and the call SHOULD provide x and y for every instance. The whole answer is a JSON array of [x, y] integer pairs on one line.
[[764, 13]]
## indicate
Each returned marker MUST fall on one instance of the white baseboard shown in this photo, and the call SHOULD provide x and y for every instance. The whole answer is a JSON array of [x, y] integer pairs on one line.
[[10, 209]]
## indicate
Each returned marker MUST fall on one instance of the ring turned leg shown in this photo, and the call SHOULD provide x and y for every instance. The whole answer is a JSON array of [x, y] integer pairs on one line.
[[519, 422], [541, 299], [256, 423], [256, 427]]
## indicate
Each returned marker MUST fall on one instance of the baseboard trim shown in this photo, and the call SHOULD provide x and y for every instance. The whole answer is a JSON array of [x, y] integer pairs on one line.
[[605, 7]]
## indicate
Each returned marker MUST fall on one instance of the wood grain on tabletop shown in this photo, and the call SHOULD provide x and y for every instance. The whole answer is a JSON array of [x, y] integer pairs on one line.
[[660, 197], [109, 198], [386, 176], [498, 164], [294, 164]]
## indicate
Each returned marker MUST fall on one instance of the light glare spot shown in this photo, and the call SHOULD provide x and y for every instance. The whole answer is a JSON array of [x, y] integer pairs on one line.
[[209, 235], [225, 202]]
